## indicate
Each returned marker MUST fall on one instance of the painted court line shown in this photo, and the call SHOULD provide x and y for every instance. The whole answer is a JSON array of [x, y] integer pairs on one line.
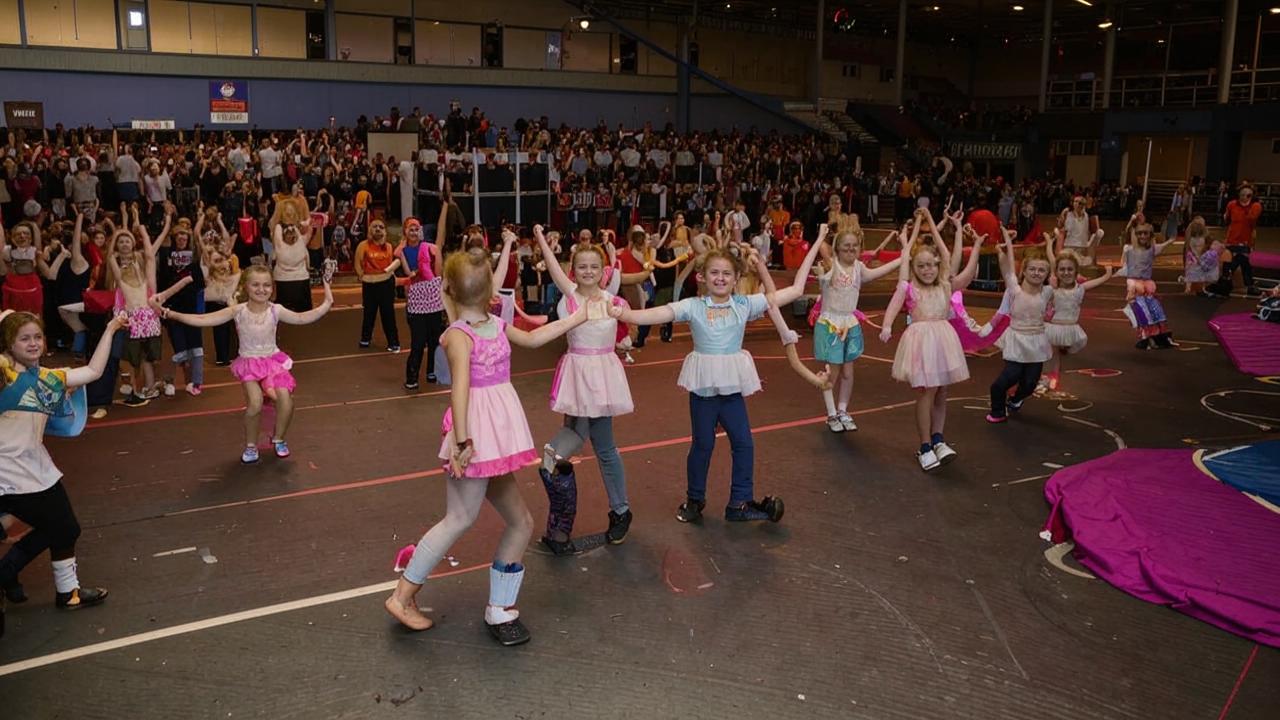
[[213, 622]]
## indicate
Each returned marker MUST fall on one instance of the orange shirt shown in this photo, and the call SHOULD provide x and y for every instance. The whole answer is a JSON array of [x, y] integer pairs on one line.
[[374, 260], [1244, 221], [779, 218]]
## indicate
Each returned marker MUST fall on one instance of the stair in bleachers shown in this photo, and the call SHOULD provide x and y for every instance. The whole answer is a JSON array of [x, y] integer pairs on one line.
[[808, 114], [834, 110]]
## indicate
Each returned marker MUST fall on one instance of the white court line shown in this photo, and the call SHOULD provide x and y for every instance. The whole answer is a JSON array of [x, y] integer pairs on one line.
[[179, 551], [1020, 481], [213, 622]]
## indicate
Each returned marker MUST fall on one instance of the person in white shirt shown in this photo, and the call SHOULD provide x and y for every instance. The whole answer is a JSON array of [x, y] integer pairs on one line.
[[272, 171], [737, 220], [238, 158], [659, 156], [157, 183], [603, 158], [630, 157], [128, 172]]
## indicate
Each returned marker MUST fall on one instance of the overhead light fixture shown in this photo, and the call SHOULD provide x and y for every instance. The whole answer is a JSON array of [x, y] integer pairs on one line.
[[1160, 41], [935, 8], [1104, 25], [1274, 11], [584, 23], [1085, 2], [1018, 8]]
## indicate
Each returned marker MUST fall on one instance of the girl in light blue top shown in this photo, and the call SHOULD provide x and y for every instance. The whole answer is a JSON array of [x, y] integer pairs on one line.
[[719, 374]]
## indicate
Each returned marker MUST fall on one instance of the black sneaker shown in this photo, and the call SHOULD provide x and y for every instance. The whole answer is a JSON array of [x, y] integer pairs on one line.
[[364, 343], [1164, 341], [14, 593], [431, 378], [1143, 344], [221, 363], [559, 547], [691, 510], [770, 508], [135, 401], [411, 385], [80, 597], [1014, 406], [509, 633], [618, 527]]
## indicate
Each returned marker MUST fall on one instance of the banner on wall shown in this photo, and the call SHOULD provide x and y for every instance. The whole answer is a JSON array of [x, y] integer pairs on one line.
[[228, 102], [984, 151], [23, 114]]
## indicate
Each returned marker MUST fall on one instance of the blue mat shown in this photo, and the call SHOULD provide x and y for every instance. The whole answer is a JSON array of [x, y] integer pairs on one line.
[[1254, 469]]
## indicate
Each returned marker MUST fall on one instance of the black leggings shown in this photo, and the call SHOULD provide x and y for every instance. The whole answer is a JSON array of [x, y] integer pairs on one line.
[[1239, 259], [53, 527], [1024, 375], [424, 333], [221, 334], [379, 298]]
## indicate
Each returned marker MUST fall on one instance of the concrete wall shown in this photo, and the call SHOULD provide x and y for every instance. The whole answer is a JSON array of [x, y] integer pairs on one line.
[[1258, 162]]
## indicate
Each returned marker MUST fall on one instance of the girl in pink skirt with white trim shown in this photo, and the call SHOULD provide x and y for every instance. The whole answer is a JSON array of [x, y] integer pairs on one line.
[[262, 368]]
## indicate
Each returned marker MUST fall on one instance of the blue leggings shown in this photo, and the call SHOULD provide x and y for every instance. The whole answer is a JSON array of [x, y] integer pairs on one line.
[[730, 412]]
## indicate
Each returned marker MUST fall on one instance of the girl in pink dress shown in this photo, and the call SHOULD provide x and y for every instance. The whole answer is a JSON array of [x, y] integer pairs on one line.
[[486, 438], [262, 368], [589, 389], [929, 355]]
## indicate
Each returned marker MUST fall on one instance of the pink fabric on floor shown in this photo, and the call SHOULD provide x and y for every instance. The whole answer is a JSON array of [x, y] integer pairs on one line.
[[1152, 524], [1266, 260], [1252, 344]]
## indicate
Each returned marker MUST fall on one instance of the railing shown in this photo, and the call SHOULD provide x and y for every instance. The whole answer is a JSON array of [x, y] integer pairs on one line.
[[1175, 89]]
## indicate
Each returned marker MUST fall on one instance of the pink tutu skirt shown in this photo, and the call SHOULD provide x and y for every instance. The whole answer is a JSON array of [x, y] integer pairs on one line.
[[591, 385], [930, 355], [498, 430], [271, 371]]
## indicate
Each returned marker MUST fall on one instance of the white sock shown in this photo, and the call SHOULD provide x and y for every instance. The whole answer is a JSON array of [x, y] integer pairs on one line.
[[64, 575], [830, 400], [504, 590]]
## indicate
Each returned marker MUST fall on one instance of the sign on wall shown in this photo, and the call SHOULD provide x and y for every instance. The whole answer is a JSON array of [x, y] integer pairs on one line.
[[23, 114], [984, 151], [152, 124], [228, 102]]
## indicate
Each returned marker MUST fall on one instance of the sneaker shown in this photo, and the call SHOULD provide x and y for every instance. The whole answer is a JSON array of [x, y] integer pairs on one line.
[[411, 385], [618, 527], [393, 348], [1252, 291], [169, 390], [364, 343], [431, 378], [691, 510], [80, 597], [944, 453], [834, 424], [221, 363], [559, 547], [249, 456], [846, 420], [928, 460], [14, 592], [745, 513], [126, 390], [135, 401], [193, 389], [1014, 406], [1143, 344], [1164, 341], [281, 448], [629, 360], [151, 394], [99, 413], [996, 419]]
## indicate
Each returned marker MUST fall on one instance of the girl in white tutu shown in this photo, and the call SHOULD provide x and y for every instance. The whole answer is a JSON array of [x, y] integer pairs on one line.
[[485, 440], [589, 389], [719, 374], [1063, 328], [262, 368], [929, 355], [1025, 345]]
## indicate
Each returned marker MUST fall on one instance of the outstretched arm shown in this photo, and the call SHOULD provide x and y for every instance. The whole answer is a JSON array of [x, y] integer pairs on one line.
[[790, 338], [80, 376], [212, 319], [545, 334], [1091, 284]]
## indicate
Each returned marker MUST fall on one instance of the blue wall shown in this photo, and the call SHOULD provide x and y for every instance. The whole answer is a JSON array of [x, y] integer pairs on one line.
[[76, 99]]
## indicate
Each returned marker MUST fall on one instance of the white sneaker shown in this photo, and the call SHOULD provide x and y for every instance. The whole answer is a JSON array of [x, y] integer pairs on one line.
[[847, 422], [834, 424], [126, 390], [944, 453], [169, 389], [928, 460]]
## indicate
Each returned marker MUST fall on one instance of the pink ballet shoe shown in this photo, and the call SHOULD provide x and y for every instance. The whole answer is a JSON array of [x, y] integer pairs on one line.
[[403, 557]]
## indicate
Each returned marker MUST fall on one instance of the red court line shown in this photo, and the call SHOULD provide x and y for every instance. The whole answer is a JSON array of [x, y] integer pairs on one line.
[[363, 401], [1239, 681], [390, 479]]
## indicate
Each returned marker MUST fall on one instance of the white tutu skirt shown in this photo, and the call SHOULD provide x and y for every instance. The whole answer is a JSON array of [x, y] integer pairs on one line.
[[930, 355], [1071, 337], [706, 374], [1025, 347]]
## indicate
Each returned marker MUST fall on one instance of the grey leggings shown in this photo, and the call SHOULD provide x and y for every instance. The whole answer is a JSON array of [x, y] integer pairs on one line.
[[575, 433]]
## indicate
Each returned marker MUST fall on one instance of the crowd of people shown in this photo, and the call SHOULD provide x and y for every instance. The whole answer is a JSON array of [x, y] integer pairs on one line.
[[147, 239]]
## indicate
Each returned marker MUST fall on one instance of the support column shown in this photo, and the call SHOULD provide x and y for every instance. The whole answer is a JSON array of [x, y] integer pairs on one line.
[[253, 27], [413, 58], [684, 111], [1109, 62], [900, 69], [815, 73], [1230, 13], [1046, 47], [330, 30]]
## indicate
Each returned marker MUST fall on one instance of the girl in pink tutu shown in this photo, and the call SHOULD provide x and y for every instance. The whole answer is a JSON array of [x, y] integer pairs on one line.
[[929, 355], [589, 389], [262, 368], [486, 439]]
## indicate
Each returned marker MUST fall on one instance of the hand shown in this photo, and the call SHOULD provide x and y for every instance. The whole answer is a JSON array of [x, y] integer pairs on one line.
[[823, 229], [823, 378], [885, 334], [508, 238], [460, 460], [615, 311], [537, 232], [117, 322], [156, 302]]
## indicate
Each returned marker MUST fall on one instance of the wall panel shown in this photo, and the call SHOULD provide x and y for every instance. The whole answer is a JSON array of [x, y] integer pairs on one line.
[[369, 38], [10, 33], [587, 51], [282, 33]]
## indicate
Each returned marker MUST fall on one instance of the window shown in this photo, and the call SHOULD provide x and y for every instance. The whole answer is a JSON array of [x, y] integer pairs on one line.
[[851, 71], [887, 74], [136, 19]]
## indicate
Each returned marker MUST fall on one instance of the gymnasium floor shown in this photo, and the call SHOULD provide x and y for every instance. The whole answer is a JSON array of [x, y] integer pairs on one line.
[[884, 593]]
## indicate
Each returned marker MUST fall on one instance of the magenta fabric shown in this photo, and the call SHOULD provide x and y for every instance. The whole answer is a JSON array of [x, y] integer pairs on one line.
[[1152, 524], [1268, 260], [1252, 344]]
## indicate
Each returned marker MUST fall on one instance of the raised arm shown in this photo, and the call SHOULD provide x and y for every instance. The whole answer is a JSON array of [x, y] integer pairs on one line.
[[965, 276], [1091, 284], [504, 258], [558, 276]]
